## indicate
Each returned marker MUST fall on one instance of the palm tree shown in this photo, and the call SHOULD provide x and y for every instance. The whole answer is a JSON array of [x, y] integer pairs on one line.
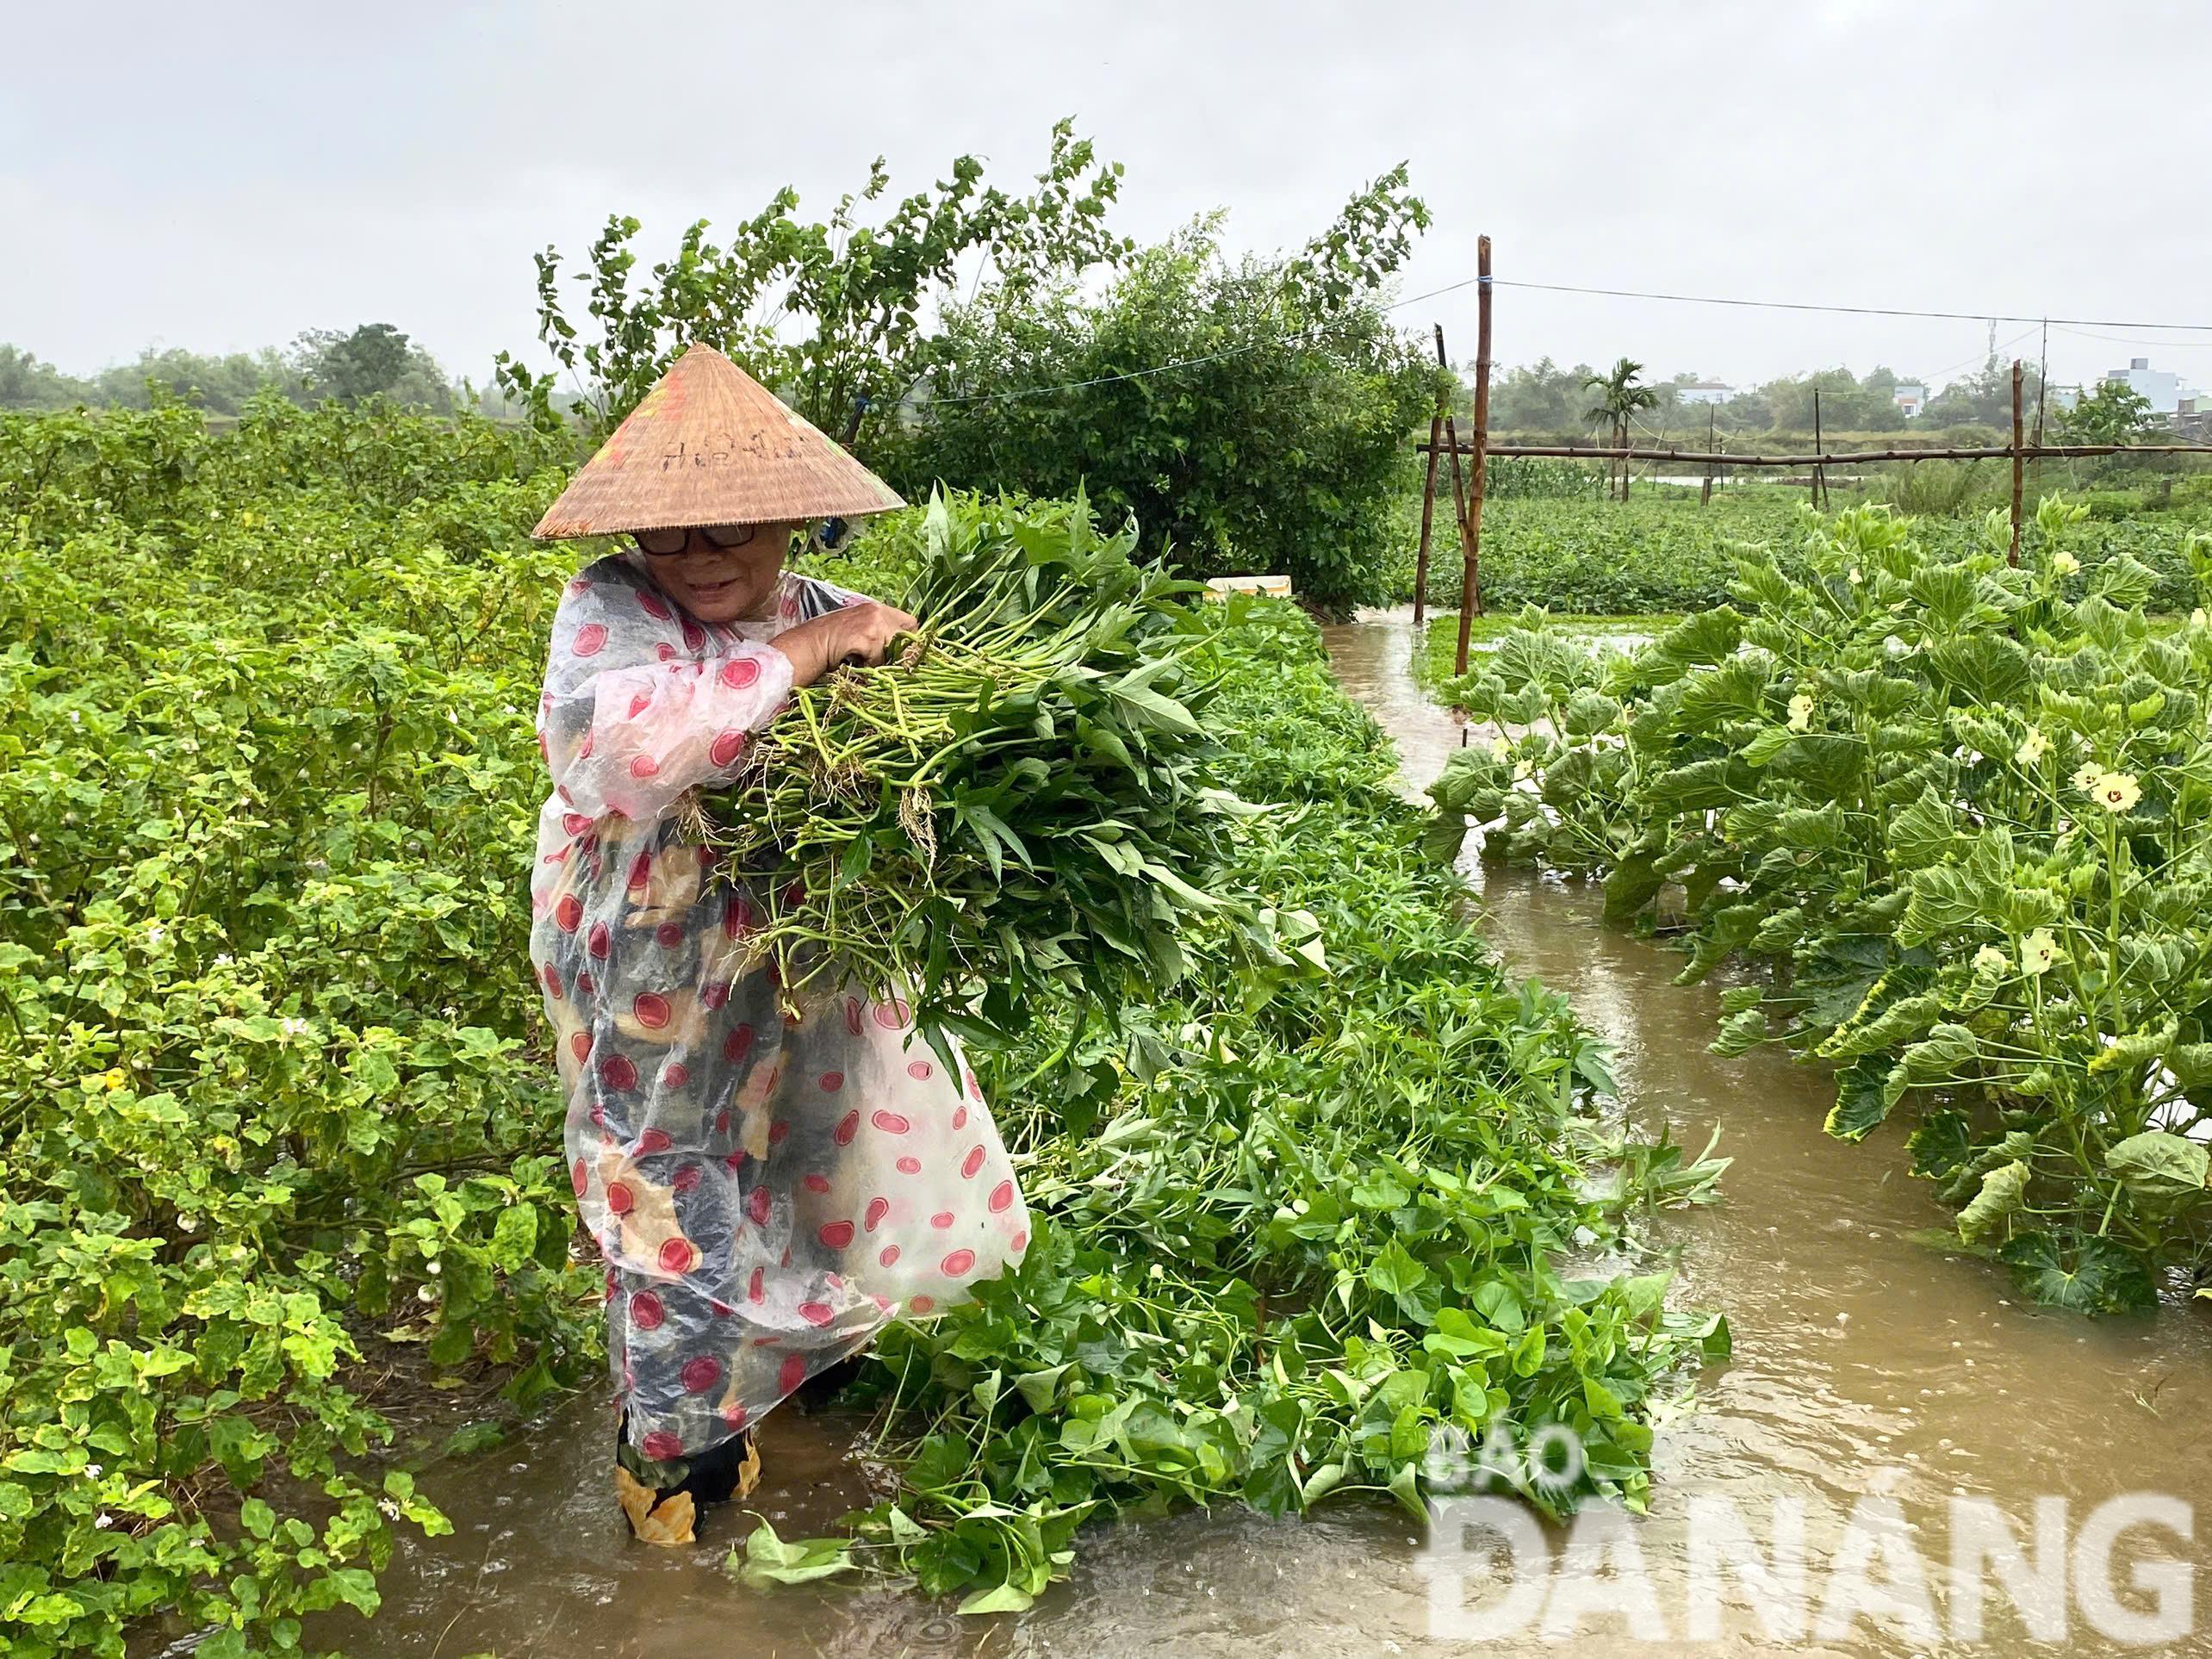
[[1619, 398]]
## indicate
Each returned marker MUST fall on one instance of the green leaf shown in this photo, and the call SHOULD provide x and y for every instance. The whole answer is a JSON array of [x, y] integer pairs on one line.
[[1321, 1482], [768, 1559], [2157, 1165], [1395, 1272], [1156, 709], [1405, 1487], [1000, 1597], [256, 1517], [2003, 1190], [2080, 1271]]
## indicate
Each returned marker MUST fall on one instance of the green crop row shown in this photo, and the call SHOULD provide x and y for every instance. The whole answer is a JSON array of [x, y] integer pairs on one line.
[[281, 1139], [1671, 555]]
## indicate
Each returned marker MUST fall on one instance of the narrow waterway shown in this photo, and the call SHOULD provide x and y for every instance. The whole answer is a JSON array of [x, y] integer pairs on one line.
[[1865, 1365], [1867, 1362]]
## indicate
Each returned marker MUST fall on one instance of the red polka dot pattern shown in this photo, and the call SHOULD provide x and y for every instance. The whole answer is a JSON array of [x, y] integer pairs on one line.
[[895, 1198]]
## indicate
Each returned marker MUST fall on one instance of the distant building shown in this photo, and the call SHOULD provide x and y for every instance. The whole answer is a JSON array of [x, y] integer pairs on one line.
[[2065, 398], [1704, 391], [1911, 398], [2161, 386]]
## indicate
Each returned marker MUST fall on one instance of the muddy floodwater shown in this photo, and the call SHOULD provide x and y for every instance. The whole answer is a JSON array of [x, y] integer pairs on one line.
[[1867, 1365]]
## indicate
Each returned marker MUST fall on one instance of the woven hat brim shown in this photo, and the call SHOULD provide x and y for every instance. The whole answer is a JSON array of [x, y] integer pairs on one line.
[[710, 445], [569, 517]]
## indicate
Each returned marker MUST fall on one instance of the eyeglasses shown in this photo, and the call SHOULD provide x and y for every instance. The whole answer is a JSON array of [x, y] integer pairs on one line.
[[666, 543]]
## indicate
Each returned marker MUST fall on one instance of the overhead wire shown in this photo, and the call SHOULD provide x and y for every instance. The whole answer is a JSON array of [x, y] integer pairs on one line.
[[2121, 339], [1851, 310], [2070, 324]]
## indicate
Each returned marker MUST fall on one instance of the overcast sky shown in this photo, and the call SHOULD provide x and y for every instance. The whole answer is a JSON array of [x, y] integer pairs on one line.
[[223, 176]]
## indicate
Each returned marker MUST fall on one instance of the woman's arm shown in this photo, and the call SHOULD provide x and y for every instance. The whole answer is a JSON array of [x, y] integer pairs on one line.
[[857, 631], [630, 719]]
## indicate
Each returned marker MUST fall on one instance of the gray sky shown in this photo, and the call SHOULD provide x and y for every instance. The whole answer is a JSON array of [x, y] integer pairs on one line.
[[223, 176]]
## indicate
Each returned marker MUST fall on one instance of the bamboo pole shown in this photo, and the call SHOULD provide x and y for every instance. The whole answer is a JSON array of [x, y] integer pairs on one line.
[[2019, 463], [1470, 530], [1818, 445], [1458, 482], [1834, 457], [1428, 514], [2042, 385], [1712, 421], [1452, 432]]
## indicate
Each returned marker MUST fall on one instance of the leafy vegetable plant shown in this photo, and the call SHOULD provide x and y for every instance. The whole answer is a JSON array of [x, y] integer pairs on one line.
[[1020, 803]]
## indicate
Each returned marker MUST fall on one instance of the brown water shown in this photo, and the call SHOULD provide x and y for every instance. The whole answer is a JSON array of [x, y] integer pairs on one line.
[[1865, 1365]]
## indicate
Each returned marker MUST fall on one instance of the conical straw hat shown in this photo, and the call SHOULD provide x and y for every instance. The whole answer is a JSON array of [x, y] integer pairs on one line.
[[710, 445]]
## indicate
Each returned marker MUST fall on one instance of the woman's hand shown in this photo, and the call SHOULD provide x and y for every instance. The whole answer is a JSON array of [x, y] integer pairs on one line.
[[861, 631]]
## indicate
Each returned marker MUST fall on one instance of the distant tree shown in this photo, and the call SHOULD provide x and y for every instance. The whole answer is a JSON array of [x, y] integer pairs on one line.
[[349, 367], [1619, 399], [1983, 397], [220, 385], [28, 383], [321, 364], [2116, 413], [1539, 397], [1846, 403], [1749, 411]]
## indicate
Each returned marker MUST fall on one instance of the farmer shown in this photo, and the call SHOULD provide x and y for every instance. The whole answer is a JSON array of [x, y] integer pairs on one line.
[[768, 1183]]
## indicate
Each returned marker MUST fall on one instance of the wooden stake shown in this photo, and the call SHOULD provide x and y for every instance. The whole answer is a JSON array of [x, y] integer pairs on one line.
[[1458, 485], [1428, 490], [1820, 476], [1697, 457], [1712, 419], [2019, 463], [1451, 431], [1428, 513], [1458, 482], [1471, 592]]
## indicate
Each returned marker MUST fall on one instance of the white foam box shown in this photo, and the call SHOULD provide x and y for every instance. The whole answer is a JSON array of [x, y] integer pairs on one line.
[[1273, 586]]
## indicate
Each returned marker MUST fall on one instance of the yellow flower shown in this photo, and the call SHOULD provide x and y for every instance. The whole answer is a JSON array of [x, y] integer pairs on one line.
[[2037, 952], [114, 1077], [2065, 564], [2086, 774], [1801, 712], [1990, 960], [1855, 576], [2033, 747], [1499, 746], [2116, 792]]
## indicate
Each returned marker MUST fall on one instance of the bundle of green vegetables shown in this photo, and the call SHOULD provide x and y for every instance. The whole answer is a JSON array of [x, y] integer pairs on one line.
[[1021, 797]]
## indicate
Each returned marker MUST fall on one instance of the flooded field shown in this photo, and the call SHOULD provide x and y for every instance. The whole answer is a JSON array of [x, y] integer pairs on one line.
[[1865, 1365]]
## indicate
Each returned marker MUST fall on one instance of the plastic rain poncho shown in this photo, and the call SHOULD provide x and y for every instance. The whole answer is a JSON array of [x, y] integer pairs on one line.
[[768, 1188]]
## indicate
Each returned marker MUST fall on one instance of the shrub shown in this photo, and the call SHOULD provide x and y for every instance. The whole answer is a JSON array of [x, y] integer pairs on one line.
[[1282, 443]]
